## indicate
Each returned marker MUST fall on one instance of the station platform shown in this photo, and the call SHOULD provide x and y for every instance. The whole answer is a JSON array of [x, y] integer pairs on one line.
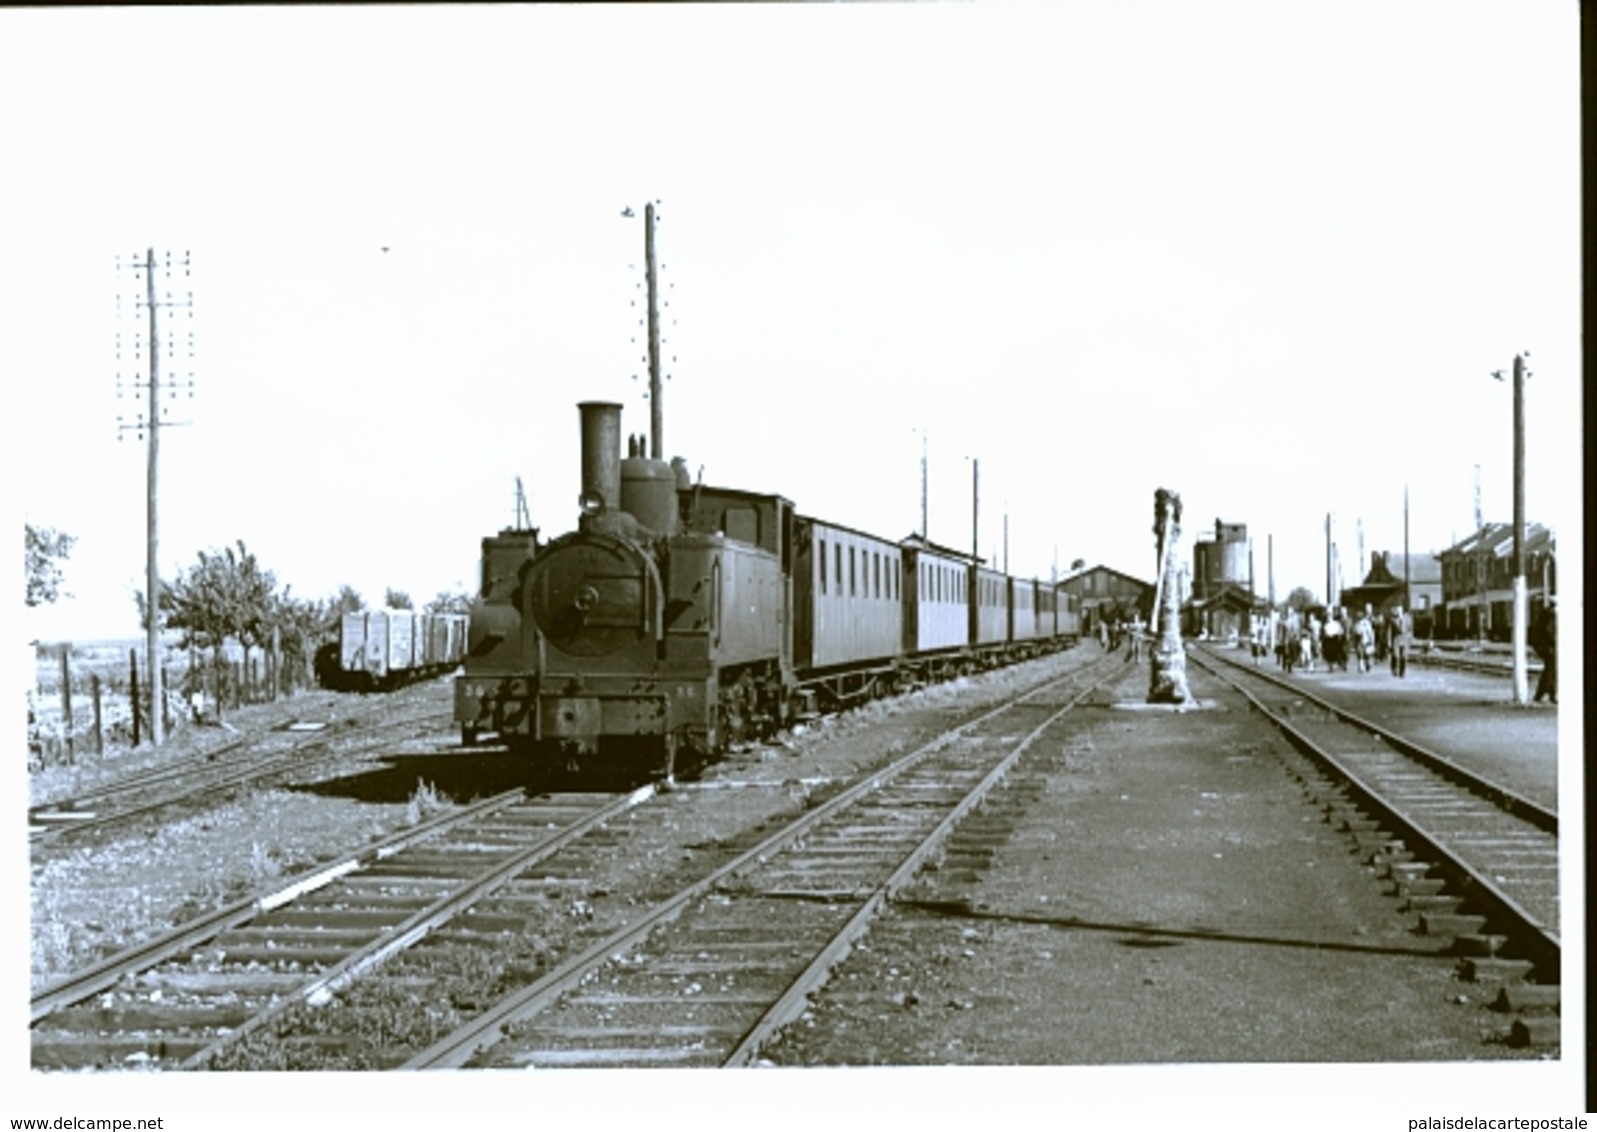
[[1468, 717]]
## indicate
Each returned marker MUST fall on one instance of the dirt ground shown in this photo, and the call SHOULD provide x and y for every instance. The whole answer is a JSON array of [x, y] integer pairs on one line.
[[1172, 898], [1168, 897]]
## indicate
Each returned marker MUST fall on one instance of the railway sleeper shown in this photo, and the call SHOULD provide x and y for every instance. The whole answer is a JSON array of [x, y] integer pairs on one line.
[[1535, 1030], [145, 1016], [1524, 998], [114, 1051], [1445, 924], [1494, 969]]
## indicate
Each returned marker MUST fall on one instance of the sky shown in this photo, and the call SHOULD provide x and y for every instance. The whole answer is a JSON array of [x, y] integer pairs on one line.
[[1266, 255]]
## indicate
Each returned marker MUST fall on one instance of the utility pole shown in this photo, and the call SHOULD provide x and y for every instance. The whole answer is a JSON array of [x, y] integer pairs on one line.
[[975, 509], [1480, 562], [1330, 568], [923, 535], [656, 410], [152, 422], [523, 516], [1408, 597], [1521, 597]]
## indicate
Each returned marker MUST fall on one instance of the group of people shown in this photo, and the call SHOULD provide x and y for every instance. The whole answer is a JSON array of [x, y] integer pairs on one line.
[[1339, 639], [1131, 632]]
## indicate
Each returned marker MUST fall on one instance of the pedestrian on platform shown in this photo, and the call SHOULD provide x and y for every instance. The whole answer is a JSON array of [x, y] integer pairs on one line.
[[1334, 641], [1364, 640], [1136, 637], [1544, 639], [1400, 631]]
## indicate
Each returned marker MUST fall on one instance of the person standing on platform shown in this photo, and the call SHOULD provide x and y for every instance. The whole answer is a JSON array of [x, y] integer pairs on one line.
[[1364, 639], [1401, 636], [1544, 639]]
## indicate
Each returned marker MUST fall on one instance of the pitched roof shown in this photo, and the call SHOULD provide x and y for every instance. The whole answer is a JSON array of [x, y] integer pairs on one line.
[[1386, 569], [1085, 570], [1497, 540]]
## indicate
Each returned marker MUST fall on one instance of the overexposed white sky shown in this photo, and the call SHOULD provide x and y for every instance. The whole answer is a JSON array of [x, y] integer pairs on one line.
[[1265, 254]]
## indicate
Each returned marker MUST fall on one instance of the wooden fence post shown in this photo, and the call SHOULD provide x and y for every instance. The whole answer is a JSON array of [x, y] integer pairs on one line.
[[99, 735], [66, 701], [133, 685]]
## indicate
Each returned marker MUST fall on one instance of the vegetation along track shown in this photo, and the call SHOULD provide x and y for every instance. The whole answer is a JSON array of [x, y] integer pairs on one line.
[[191, 780], [178, 1000], [709, 973], [1475, 861]]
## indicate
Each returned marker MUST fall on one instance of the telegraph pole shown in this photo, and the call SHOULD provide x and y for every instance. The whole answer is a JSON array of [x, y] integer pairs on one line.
[[1480, 562], [923, 485], [1521, 597], [975, 509], [152, 422], [656, 410], [1408, 597]]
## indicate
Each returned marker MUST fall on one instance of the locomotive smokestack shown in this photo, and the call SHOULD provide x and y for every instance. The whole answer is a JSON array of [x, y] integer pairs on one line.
[[601, 456]]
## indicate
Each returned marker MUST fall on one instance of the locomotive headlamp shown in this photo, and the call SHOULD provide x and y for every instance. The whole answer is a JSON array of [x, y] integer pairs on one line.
[[590, 503]]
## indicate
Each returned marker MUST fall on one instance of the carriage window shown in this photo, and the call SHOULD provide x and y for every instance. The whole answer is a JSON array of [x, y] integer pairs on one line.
[[837, 552], [876, 574], [852, 588]]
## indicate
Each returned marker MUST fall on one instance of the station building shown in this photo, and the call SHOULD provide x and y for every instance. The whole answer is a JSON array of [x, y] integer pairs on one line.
[[1390, 574], [1477, 584], [1103, 594]]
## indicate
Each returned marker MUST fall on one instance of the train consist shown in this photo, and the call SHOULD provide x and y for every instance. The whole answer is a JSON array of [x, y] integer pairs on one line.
[[384, 648], [679, 615]]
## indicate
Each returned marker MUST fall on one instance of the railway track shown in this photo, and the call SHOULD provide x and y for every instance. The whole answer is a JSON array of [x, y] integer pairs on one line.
[[707, 974], [1491, 664], [191, 780], [1473, 860], [181, 999]]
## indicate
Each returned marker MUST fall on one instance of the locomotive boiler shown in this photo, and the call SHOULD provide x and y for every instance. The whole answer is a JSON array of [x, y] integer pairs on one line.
[[662, 621]]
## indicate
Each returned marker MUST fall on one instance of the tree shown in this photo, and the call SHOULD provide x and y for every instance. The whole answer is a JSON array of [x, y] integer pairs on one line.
[[397, 599], [226, 595], [301, 627], [1301, 598], [46, 550], [348, 600], [450, 601]]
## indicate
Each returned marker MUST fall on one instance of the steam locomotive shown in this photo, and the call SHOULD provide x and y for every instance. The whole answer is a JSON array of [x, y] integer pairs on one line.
[[682, 616]]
